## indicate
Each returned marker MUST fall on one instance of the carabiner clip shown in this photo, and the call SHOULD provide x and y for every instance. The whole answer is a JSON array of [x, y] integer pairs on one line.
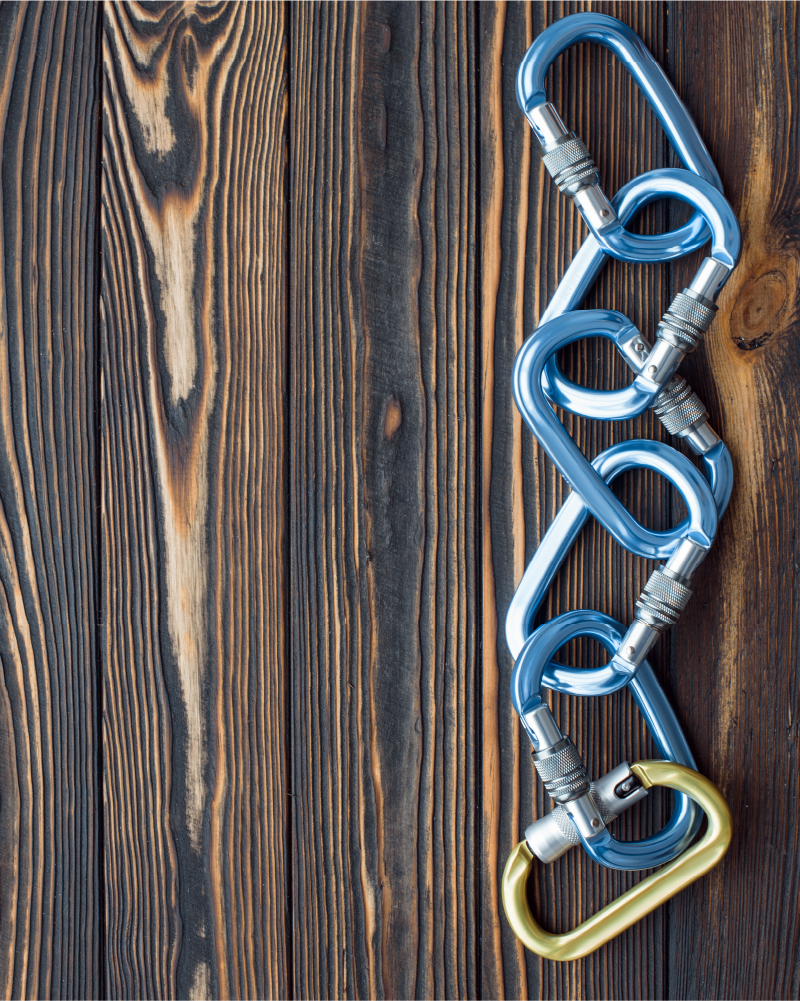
[[572, 168], [641, 899], [535, 670]]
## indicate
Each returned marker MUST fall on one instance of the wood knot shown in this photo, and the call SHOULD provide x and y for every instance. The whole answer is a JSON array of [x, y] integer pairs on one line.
[[758, 310], [393, 417]]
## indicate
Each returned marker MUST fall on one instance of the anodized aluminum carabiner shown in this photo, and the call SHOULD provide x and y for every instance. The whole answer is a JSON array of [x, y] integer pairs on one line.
[[622, 404], [641, 899], [535, 669], [675, 120]]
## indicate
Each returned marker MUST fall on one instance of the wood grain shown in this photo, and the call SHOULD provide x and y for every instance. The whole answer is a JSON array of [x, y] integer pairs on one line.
[[50, 921], [529, 234], [735, 656], [193, 510], [382, 481]]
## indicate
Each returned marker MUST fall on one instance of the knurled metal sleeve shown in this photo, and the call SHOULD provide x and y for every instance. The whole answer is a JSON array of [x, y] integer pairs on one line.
[[661, 602], [567, 828], [569, 163], [602, 809], [563, 773], [685, 322], [565, 825], [678, 407]]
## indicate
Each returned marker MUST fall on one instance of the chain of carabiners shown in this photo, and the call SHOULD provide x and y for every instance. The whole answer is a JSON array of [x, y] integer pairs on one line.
[[583, 809]]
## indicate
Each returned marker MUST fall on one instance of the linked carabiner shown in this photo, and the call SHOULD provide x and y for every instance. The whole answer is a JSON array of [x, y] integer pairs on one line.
[[574, 171], [534, 670], [641, 899]]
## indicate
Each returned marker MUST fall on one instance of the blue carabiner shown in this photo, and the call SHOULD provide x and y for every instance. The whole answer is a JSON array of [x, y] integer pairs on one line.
[[726, 237], [574, 512], [623, 404], [581, 275], [535, 669], [651, 80], [573, 288]]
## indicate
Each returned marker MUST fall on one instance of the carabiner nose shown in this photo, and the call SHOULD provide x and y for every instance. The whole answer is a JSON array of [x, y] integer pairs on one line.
[[726, 236]]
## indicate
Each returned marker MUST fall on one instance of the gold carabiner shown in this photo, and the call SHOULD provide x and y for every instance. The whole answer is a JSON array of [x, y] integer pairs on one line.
[[641, 899]]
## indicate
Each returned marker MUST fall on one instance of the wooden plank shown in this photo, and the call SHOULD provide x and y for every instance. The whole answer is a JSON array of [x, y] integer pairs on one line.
[[529, 234], [383, 462], [193, 510], [50, 930], [736, 669]]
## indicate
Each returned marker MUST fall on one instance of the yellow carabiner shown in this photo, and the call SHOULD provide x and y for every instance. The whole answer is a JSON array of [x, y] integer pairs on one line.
[[641, 899]]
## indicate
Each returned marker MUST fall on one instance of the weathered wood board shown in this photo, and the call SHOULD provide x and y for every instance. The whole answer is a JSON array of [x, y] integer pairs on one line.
[[194, 459], [51, 923], [735, 662], [383, 458]]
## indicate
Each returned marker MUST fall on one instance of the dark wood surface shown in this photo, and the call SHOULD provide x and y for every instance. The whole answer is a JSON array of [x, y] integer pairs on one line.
[[265, 498], [193, 500], [383, 459], [50, 851], [735, 661]]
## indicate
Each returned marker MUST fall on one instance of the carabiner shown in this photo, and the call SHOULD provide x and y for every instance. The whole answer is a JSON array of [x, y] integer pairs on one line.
[[634, 347], [641, 899], [621, 404], [568, 161], [634, 56], [534, 670], [572, 516]]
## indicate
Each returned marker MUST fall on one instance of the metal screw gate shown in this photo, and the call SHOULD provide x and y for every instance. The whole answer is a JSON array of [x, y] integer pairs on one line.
[[584, 809]]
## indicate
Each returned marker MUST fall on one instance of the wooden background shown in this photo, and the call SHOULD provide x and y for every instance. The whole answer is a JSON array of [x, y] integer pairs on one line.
[[265, 497]]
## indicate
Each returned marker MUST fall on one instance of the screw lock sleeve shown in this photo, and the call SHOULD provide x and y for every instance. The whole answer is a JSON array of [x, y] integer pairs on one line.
[[686, 320], [661, 602], [562, 771], [570, 164], [679, 408]]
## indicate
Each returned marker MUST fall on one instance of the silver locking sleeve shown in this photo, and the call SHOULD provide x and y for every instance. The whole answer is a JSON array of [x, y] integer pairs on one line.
[[563, 153], [661, 602], [552, 835], [679, 408], [561, 770], [685, 322], [570, 164], [683, 413]]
